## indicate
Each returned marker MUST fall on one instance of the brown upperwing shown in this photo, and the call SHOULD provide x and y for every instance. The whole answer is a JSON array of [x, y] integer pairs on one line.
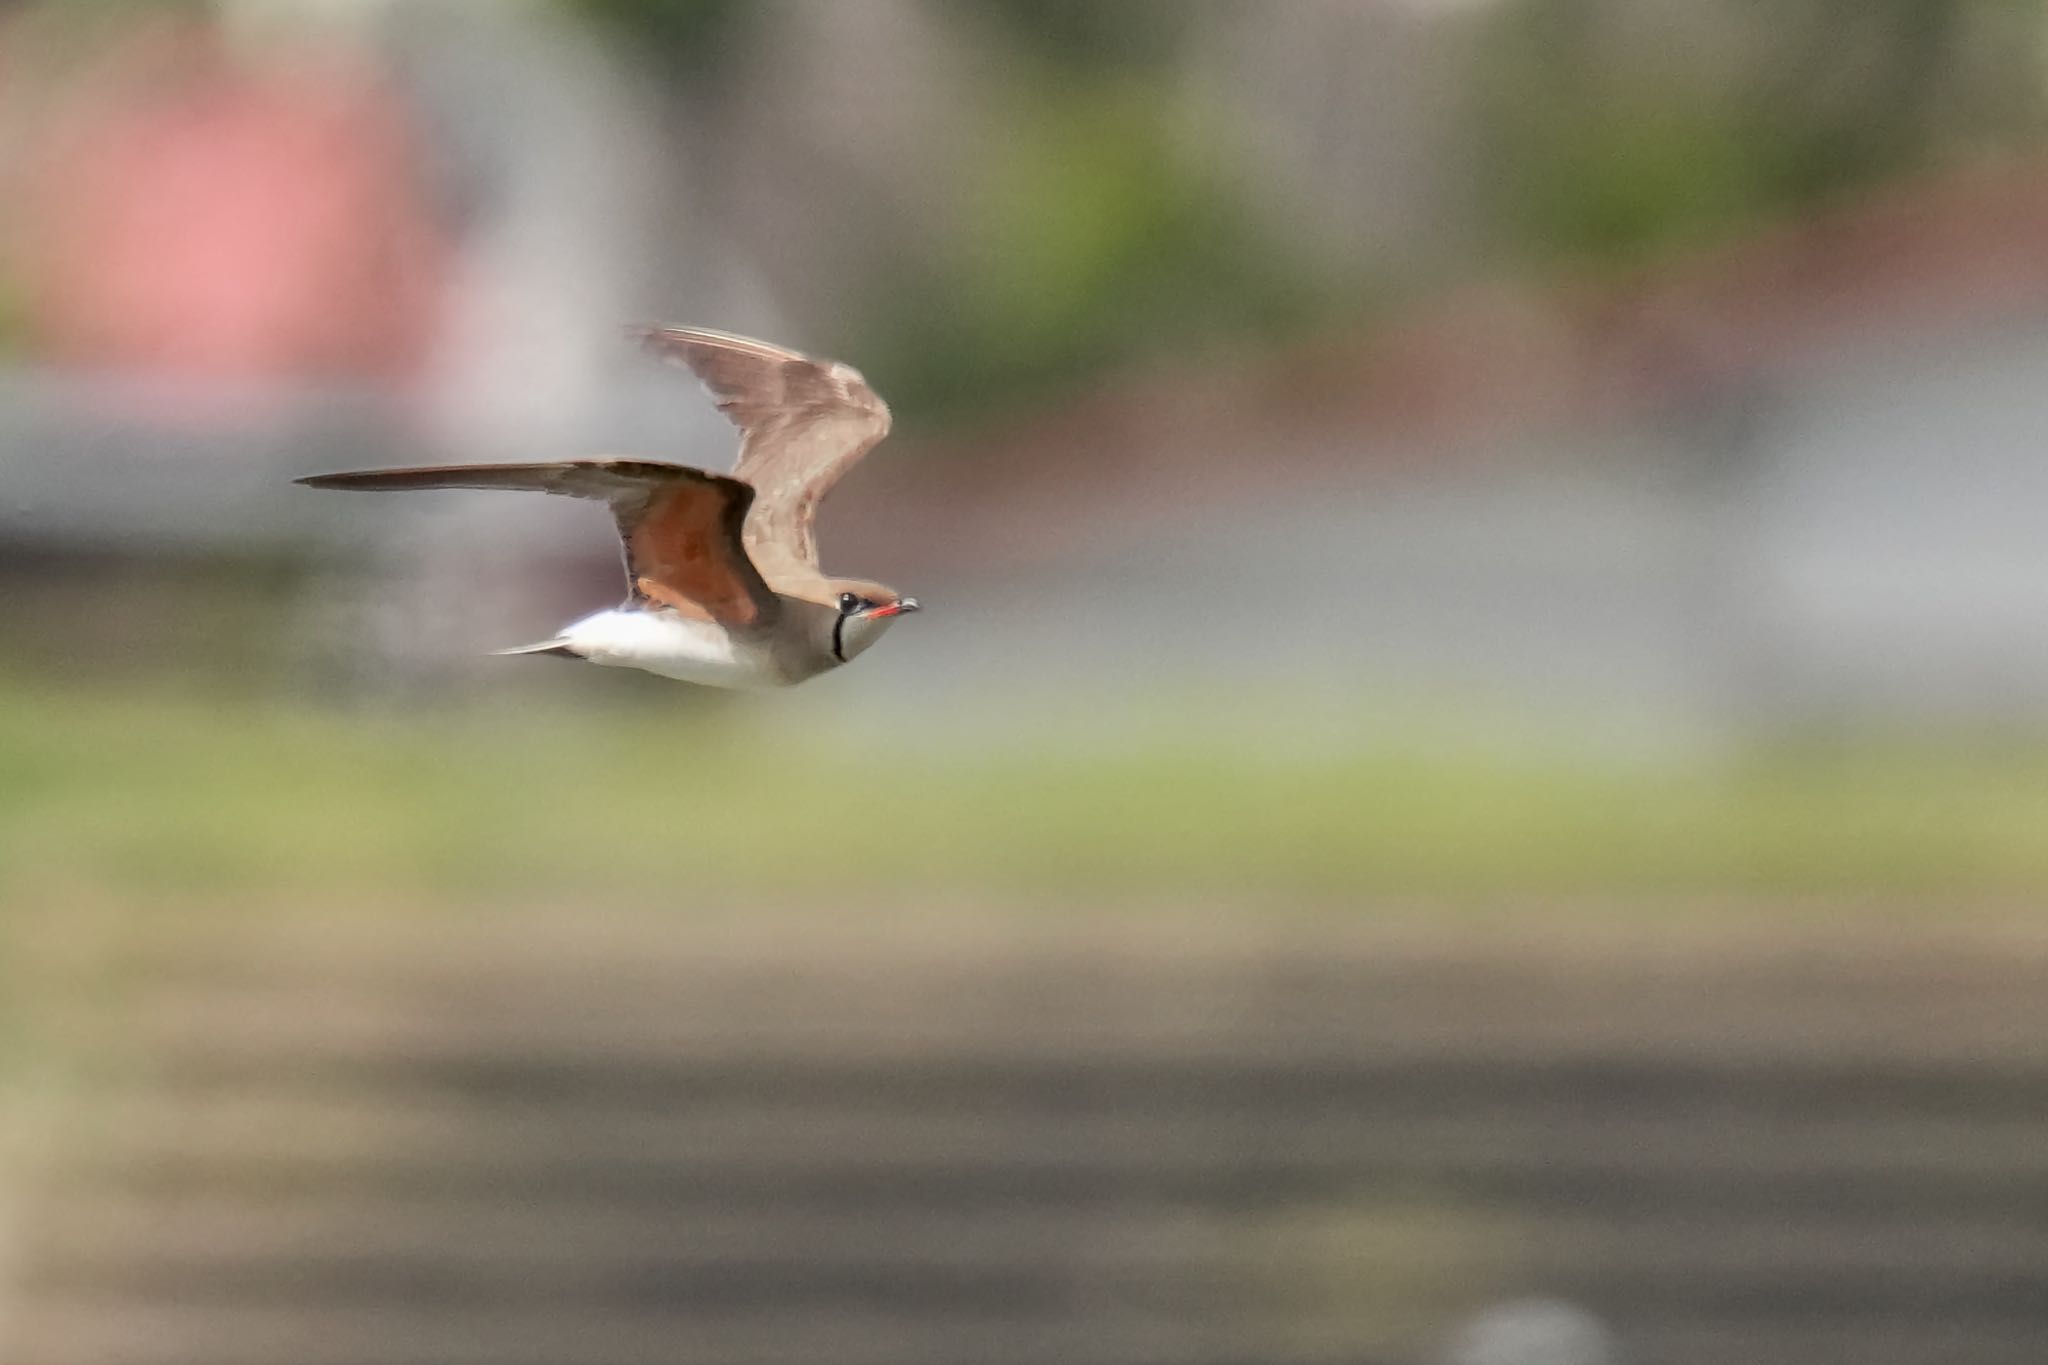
[[803, 424], [681, 527], [684, 548]]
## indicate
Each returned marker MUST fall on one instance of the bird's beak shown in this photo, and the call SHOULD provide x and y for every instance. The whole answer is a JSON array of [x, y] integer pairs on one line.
[[902, 608]]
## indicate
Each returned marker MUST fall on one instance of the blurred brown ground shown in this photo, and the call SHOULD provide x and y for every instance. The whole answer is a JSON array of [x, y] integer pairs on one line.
[[952, 1137]]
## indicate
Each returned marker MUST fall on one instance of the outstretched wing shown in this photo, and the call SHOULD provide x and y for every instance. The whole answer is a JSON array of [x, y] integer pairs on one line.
[[681, 527], [803, 424]]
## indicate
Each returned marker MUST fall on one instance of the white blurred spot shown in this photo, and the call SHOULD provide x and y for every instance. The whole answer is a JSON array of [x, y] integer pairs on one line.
[[1532, 1332]]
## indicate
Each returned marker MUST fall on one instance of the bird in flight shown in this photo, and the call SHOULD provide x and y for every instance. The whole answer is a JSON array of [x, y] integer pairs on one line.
[[722, 580]]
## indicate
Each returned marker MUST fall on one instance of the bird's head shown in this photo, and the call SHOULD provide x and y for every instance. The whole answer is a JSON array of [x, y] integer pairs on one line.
[[861, 612]]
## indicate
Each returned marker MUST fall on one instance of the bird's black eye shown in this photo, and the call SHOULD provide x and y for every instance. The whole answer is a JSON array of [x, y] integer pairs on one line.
[[849, 603]]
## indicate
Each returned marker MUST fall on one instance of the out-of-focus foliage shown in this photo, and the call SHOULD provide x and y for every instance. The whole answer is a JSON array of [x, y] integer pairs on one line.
[[1601, 134], [1096, 236], [1081, 35], [1093, 241], [1092, 234], [1641, 172], [699, 38], [1613, 147]]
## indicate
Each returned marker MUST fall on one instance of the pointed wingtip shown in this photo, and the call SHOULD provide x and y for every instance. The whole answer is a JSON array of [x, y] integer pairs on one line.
[[650, 335], [673, 341], [349, 480]]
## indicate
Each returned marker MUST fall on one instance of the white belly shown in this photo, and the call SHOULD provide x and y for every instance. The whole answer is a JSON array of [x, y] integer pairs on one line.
[[673, 646]]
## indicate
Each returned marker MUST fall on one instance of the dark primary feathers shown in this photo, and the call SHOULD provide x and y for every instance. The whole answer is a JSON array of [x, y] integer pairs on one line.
[[803, 424], [681, 527]]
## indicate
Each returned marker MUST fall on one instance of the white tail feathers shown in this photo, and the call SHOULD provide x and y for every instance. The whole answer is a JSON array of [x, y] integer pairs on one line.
[[555, 646]]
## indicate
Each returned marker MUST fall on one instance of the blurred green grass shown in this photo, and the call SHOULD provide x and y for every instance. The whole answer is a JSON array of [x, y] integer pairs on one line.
[[153, 795]]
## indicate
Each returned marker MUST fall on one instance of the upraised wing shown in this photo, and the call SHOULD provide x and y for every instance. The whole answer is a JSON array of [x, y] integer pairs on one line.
[[681, 527], [803, 424]]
